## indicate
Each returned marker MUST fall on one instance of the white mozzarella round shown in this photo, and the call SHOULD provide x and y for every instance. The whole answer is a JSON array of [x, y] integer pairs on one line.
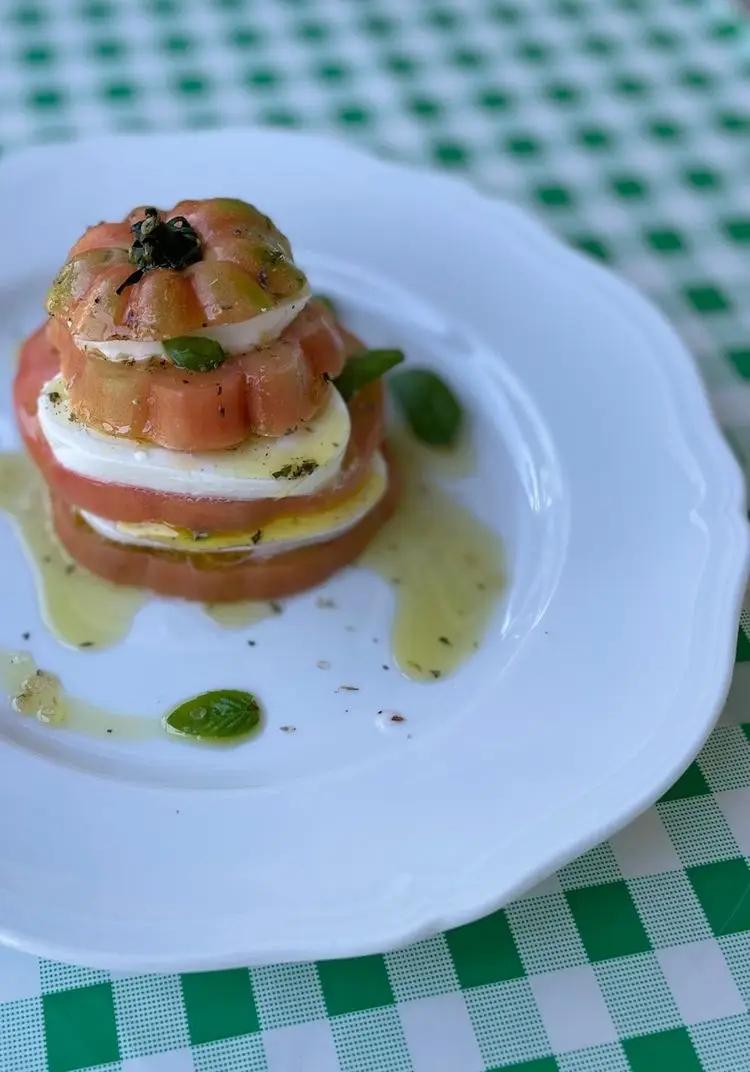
[[262, 467], [237, 338], [283, 534]]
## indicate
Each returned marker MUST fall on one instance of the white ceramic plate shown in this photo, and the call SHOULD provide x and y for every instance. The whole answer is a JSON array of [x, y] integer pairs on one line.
[[623, 518]]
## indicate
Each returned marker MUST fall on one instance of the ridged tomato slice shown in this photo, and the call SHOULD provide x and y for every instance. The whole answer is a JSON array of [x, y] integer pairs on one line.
[[217, 577], [39, 362], [266, 391]]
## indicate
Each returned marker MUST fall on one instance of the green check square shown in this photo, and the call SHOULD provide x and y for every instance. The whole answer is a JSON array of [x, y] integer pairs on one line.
[[28, 15], [707, 298], [80, 1029], [665, 240], [594, 137], [355, 984], [690, 784], [485, 951], [740, 358], [628, 187], [450, 153], [733, 122], [665, 1051], [219, 1004], [245, 37], [523, 145], [593, 245], [37, 55], [46, 98], [554, 195], [702, 178], [737, 229], [723, 889], [607, 920], [665, 129]]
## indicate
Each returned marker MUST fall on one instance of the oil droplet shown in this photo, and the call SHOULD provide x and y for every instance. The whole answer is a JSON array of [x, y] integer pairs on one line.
[[238, 615], [446, 567], [40, 694], [79, 608]]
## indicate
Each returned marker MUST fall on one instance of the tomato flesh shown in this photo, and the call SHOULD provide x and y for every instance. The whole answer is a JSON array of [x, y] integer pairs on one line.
[[39, 362], [217, 577], [266, 391]]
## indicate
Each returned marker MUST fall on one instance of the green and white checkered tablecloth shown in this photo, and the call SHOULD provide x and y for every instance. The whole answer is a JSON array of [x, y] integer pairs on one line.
[[626, 123]]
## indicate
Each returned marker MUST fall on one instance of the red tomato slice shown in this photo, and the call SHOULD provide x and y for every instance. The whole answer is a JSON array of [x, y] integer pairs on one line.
[[39, 362], [218, 577], [266, 391]]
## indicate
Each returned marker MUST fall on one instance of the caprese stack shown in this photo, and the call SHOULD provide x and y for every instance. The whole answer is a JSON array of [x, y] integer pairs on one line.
[[182, 405]]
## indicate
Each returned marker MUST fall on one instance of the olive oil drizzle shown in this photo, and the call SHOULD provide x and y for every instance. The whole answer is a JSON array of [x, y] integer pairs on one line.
[[80, 609], [40, 694], [446, 566]]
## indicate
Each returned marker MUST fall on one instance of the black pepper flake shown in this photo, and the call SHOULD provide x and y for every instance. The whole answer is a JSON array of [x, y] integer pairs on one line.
[[410, 662], [222, 411], [26, 636], [256, 536], [436, 673], [288, 729], [397, 718], [324, 602], [275, 607], [70, 569], [54, 397], [186, 381], [252, 643], [445, 640], [348, 688], [109, 731], [86, 644], [386, 666], [218, 388]]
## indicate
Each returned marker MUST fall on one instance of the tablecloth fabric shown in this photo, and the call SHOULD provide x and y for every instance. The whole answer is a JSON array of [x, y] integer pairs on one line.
[[625, 123]]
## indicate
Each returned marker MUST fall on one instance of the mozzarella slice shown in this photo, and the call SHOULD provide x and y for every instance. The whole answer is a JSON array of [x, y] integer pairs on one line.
[[283, 534], [233, 338], [304, 461]]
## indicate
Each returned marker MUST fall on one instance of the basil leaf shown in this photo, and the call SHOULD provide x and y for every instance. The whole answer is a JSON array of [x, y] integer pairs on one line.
[[361, 369], [432, 410], [215, 716], [195, 353]]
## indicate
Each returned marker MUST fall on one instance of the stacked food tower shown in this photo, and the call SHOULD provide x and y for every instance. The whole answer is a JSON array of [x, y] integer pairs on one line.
[[207, 429]]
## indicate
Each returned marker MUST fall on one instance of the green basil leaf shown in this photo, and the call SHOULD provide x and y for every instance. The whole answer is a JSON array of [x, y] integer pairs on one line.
[[362, 368], [432, 410], [215, 716], [195, 353]]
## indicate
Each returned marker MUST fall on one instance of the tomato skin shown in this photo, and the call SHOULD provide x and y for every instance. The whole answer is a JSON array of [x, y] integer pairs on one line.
[[218, 578], [245, 265], [266, 391], [39, 362]]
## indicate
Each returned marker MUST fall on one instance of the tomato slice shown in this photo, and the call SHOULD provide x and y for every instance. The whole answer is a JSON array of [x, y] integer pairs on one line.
[[217, 577], [266, 391], [39, 362]]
